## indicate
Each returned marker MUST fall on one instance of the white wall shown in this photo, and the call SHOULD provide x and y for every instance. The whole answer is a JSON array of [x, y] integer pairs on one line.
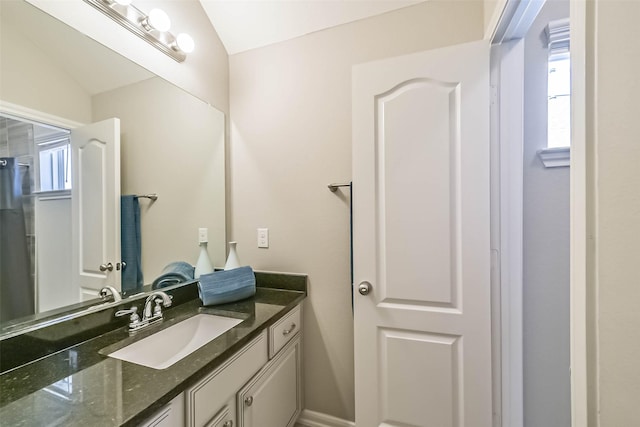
[[290, 130], [547, 394], [613, 132], [172, 144]]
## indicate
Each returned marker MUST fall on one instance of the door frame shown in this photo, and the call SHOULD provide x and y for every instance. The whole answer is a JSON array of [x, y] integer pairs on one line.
[[507, 249], [507, 227], [37, 116]]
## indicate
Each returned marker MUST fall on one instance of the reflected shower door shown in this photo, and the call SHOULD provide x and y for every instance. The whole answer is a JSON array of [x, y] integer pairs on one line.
[[16, 286]]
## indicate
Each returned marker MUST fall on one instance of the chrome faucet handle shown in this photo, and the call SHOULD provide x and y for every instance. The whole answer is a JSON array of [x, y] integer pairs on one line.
[[105, 291], [133, 310], [157, 309], [134, 318]]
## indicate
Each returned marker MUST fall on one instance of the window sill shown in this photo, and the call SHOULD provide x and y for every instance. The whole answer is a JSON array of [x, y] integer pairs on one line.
[[53, 194], [555, 157]]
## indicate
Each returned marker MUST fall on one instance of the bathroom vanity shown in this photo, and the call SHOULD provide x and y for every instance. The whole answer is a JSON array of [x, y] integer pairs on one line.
[[258, 386], [248, 376]]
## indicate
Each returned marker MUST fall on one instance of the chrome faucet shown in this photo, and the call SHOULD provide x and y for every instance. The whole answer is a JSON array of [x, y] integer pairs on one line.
[[150, 314], [105, 291], [159, 298]]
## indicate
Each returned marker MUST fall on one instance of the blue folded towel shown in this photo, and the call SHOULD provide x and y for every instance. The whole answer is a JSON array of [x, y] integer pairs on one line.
[[221, 287], [174, 273]]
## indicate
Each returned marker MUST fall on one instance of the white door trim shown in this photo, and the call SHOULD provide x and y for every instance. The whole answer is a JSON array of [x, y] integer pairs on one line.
[[507, 231], [37, 116], [578, 245], [495, 19], [578, 216]]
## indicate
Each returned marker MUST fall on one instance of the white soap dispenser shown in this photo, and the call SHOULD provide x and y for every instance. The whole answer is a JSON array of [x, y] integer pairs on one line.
[[203, 266]]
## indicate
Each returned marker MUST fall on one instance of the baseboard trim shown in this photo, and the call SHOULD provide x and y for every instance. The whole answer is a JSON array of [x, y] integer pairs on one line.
[[316, 419]]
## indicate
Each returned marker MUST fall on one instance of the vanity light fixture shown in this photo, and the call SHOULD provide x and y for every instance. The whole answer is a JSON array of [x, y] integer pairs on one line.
[[152, 27], [157, 20], [185, 42]]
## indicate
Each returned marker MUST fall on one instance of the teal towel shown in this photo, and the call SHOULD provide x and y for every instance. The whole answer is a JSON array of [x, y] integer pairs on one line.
[[131, 243], [174, 273], [221, 287]]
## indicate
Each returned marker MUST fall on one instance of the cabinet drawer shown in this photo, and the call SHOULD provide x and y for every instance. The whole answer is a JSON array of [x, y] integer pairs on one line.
[[284, 330]]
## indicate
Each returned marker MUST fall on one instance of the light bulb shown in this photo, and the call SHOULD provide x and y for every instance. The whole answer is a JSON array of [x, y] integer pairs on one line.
[[185, 42], [159, 20]]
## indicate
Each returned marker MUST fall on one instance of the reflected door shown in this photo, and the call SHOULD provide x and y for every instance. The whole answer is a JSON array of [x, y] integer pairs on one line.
[[421, 239], [95, 197]]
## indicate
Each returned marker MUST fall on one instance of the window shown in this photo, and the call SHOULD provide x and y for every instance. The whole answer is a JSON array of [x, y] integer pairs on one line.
[[559, 96], [559, 105], [54, 161]]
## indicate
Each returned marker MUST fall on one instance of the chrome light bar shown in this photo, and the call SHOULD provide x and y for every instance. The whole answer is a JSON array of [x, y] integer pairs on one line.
[[137, 22]]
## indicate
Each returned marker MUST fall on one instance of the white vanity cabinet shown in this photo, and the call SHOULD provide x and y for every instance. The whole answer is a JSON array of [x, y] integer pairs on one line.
[[259, 386]]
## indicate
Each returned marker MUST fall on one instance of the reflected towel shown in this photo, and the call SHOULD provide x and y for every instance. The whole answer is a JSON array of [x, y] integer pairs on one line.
[[130, 243], [221, 287], [174, 273]]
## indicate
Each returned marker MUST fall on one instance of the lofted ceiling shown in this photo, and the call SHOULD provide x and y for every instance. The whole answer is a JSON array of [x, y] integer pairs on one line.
[[248, 24]]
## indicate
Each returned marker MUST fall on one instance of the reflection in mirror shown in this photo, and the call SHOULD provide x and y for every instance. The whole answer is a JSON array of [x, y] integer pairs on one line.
[[54, 79]]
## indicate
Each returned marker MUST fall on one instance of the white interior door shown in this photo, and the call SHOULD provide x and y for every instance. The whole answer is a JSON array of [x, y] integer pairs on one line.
[[95, 198], [421, 239]]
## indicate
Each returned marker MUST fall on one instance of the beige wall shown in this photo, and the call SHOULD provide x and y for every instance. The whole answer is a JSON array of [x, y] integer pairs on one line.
[[30, 78], [204, 74], [172, 144], [290, 109], [613, 100]]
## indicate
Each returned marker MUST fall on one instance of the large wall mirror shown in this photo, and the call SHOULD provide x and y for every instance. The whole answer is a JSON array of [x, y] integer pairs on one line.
[[54, 79]]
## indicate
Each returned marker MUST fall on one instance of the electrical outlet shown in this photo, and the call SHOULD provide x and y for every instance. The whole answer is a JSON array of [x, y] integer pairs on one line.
[[203, 235], [263, 237]]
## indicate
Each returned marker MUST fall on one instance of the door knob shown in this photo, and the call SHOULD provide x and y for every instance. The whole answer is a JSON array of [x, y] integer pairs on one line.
[[248, 400], [364, 288], [105, 267]]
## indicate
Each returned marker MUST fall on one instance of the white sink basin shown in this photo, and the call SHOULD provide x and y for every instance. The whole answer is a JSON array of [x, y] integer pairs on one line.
[[166, 347]]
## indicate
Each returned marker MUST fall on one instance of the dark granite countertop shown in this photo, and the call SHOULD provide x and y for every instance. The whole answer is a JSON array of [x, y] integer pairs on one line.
[[81, 386]]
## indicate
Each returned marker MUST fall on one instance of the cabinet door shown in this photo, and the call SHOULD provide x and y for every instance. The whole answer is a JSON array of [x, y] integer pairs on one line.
[[226, 416], [273, 397], [204, 400], [172, 415]]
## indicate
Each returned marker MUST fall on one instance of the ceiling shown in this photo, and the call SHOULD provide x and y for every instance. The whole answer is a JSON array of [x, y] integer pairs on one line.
[[248, 24]]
